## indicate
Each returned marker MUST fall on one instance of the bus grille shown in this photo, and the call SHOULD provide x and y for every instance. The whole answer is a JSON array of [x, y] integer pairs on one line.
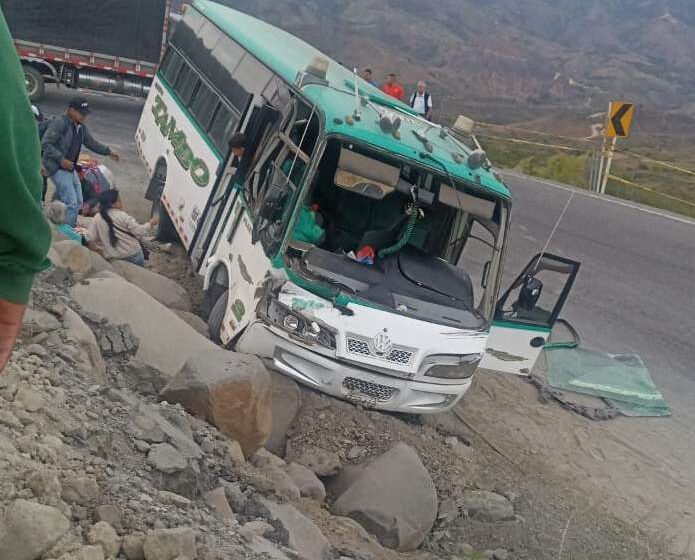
[[380, 393], [397, 355]]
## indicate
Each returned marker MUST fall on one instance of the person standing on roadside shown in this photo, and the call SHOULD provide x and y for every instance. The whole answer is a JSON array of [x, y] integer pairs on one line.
[[366, 75], [393, 88], [25, 236], [62, 144], [421, 101]]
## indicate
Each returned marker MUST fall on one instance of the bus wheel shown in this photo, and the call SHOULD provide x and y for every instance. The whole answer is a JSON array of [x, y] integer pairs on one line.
[[36, 86], [166, 231], [216, 317]]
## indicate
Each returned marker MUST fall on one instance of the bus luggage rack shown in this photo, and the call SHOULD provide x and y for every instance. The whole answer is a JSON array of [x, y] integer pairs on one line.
[[358, 387]]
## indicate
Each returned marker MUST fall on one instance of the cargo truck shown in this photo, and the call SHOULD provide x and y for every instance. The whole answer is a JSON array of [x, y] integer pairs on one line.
[[111, 45]]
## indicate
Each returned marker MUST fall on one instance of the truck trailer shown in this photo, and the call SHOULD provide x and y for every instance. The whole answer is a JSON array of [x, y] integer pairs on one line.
[[110, 45]]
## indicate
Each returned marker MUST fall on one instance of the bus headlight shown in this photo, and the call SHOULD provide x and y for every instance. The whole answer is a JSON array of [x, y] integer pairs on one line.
[[308, 331], [459, 367], [291, 322]]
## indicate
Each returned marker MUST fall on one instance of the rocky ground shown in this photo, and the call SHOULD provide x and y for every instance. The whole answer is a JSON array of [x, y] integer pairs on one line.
[[102, 459]]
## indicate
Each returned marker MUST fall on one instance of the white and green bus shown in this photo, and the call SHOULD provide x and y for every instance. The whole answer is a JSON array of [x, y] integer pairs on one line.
[[356, 245]]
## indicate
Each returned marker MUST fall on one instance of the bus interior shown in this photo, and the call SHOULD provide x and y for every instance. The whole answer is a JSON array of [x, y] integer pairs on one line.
[[393, 234]]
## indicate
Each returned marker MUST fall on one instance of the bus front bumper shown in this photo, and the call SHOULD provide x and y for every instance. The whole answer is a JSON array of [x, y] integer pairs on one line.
[[347, 381]]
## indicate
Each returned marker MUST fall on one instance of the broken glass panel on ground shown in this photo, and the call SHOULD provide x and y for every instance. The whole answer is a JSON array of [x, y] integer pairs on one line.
[[622, 380]]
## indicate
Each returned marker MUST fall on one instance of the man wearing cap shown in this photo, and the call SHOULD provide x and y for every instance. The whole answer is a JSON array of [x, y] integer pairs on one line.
[[61, 146]]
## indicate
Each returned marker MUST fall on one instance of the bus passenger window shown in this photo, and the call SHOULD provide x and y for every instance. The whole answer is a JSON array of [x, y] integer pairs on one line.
[[185, 83], [203, 105], [224, 124], [171, 65]]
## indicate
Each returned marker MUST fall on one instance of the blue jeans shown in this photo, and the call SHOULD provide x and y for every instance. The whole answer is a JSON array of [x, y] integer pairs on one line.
[[138, 258], [69, 192]]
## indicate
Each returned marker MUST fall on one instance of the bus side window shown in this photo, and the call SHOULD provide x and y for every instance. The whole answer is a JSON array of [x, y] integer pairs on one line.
[[224, 124], [171, 65], [203, 105], [185, 84]]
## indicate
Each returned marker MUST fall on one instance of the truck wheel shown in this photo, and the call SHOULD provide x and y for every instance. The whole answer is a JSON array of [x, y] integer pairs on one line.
[[36, 86], [217, 316], [166, 231]]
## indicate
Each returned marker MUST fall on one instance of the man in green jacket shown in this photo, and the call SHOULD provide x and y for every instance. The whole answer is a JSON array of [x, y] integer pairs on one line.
[[24, 233]]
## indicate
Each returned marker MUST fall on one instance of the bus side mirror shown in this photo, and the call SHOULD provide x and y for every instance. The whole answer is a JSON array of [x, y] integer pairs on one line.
[[530, 293]]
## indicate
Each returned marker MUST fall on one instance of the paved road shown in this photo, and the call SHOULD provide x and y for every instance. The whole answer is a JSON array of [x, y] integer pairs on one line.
[[635, 291]]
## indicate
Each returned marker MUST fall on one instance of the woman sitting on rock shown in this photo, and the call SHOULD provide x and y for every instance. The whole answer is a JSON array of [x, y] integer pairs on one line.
[[114, 233]]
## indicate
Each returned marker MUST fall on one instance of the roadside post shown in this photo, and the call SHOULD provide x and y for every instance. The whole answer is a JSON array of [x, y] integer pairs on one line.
[[618, 124]]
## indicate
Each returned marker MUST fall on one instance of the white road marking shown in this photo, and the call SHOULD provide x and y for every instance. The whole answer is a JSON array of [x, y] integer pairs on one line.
[[583, 192]]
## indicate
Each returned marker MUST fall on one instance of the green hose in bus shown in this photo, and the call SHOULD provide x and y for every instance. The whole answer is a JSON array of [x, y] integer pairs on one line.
[[407, 234]]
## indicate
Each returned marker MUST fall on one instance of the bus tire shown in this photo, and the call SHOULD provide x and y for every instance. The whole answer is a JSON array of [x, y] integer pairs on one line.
[[166, 231], [36, 85], [219, 309]]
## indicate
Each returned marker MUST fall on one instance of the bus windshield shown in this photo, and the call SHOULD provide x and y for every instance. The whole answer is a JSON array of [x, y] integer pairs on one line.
[[398, 235]]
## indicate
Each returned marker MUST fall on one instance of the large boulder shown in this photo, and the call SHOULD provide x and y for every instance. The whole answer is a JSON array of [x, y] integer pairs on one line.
[[90, 357], [392, 496], [286, 401], [229, 390], [166, 342], [161, 288], [79, 259], [28, 530], [194, 321], [303, 536]]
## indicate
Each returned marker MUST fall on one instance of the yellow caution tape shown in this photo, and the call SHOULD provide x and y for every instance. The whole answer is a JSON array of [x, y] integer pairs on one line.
[[658, 162], [568, 138], [517, 141], [537, 132], [651, 190]]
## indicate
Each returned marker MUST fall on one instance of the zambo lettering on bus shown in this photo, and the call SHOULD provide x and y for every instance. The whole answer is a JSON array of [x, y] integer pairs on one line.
[[167, 125]]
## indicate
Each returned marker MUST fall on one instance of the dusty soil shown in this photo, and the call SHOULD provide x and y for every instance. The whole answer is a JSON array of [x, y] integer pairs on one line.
[[581, 489], [170, 260], [611, 467]]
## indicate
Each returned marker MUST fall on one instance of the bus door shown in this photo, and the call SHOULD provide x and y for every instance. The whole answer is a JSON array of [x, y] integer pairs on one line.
[[220, 203], [238, 247], [527, 312]]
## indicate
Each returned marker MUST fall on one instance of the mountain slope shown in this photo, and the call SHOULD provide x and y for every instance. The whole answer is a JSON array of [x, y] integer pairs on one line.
[[538, 53]]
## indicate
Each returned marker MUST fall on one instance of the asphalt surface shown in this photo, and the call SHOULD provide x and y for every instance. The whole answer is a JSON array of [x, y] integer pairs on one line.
[[635, 292]]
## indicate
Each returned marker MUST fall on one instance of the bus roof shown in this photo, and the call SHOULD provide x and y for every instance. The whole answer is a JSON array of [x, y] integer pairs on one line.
[[287, 56]]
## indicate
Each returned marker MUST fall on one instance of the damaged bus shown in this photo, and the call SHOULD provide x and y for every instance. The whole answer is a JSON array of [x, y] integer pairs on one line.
[[354, 244]]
